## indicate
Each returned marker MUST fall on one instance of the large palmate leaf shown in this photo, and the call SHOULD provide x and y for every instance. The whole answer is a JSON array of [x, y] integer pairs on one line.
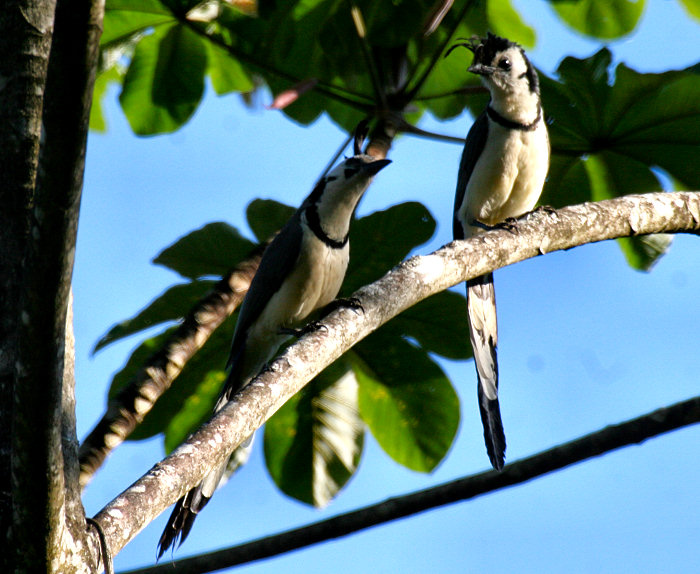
[[607, 136], [383, 239], [165, 80], [314, 442], [406, 400]]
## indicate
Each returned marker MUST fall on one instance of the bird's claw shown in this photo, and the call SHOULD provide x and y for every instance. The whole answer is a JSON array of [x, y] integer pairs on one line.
[[509, 224], [311, 327], [345, 303]]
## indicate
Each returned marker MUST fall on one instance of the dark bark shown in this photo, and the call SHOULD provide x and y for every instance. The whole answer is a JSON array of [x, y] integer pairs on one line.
[[49, 54], [26, 29]]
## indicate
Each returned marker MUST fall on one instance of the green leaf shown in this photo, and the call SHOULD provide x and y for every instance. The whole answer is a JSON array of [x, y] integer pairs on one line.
[[171, 305], [608, 175], [195, 410], [226, 73], [692, 7], [98, 123], [604, 19], [406, 400], [124, 18], [606, 136], [505, 21], [266, 217], [643, 252], [165, 81], [314, 442], [195, 385], [211, 250], [383, 239], [438, 324], [439, 94], [450, 74]]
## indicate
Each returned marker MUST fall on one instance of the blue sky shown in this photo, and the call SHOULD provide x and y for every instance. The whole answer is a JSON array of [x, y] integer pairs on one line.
[[584, 342]]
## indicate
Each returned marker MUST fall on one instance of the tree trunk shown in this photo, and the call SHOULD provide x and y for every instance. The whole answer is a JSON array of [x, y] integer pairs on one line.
[[48, 55]]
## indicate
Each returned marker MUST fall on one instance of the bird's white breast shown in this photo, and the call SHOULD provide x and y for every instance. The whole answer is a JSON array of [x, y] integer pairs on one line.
[[314, 282], [508, 177]]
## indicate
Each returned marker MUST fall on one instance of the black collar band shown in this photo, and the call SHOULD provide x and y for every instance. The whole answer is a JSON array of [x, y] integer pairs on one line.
[[511, 125], [314, 224]]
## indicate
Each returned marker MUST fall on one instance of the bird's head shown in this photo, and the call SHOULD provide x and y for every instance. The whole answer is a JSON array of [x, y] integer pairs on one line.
[[503, 66]]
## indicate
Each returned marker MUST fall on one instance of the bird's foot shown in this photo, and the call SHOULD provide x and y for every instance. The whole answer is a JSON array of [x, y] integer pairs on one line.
[[352, 303], [310, 327], [509, 224], [546, 208]]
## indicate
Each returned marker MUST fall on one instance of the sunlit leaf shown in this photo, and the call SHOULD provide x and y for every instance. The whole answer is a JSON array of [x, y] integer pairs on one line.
[[608, 135], [314, 442], [124, 18], [165, 80], [505, 21], [605, 19], [103, 81], [406, 400], [226, 73], [692, 7]]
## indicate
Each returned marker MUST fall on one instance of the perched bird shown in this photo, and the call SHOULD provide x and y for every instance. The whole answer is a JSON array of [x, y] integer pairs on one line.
[[501, 174], [301, 271]]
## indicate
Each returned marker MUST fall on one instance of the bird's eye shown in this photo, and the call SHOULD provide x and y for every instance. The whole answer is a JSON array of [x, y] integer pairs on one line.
[[505, 64]]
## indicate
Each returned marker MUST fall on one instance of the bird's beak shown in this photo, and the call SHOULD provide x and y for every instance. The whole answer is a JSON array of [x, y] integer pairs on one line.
[[481, 69], [373, 168]]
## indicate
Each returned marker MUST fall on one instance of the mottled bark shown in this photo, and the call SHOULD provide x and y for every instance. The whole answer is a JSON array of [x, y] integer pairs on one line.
[[48, 55], [26, 29]]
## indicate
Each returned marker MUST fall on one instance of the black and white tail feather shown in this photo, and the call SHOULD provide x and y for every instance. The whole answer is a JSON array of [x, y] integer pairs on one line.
[[300, 272], [501, 174]]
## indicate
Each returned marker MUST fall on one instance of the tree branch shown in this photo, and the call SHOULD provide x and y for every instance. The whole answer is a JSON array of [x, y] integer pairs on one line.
[[537, 233], [634, 431], [126, 410]]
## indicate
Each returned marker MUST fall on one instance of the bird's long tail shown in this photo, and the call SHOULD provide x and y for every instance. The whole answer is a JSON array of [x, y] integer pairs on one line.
[[483, 332], [188, 507]]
